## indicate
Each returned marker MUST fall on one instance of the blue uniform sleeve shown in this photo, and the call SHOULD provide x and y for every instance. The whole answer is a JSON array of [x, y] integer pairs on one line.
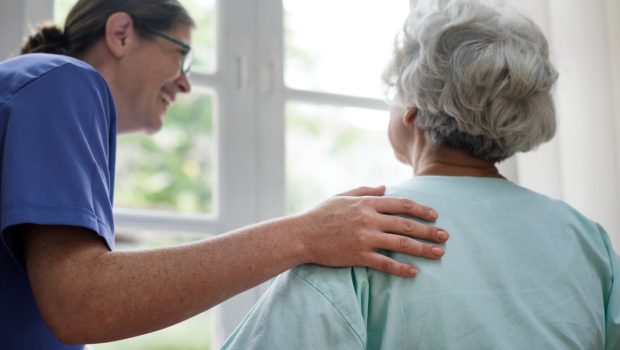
[[297, 314], [58, 155]]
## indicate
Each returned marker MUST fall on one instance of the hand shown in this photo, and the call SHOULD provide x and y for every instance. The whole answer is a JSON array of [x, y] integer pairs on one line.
[[349, 229]]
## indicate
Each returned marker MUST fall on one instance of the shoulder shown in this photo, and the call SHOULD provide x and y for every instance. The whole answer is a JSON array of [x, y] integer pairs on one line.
[[295, 299], [53, 91], [482, 197], [482, 191], [344, 288], [332, 283], [33, 66], [319, 276], [63, 72]]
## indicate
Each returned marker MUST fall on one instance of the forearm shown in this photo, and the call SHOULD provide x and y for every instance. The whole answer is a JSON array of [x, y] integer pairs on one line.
[[113, 295], [87, 294]]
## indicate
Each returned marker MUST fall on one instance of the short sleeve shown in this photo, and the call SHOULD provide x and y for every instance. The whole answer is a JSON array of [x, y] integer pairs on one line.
[[294, 314], [58, 153]]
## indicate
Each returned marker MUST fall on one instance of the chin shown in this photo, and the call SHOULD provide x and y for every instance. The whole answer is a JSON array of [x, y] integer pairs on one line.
[[154, 126], [153, 130]]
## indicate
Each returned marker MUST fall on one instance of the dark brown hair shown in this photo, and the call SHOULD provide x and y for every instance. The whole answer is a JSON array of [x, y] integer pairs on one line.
[[86, 22]]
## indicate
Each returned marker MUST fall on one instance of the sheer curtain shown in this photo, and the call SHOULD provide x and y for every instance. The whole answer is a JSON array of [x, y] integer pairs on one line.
[[581, 165]]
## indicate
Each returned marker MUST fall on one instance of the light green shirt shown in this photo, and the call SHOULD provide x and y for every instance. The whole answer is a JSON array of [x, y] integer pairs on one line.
[[521, 271]]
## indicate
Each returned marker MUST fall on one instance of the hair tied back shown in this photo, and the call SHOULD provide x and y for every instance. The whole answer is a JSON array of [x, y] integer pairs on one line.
[[47, 38]]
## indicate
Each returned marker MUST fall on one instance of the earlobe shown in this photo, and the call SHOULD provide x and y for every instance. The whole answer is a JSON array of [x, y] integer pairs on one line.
[[410, 115], [119, 31]]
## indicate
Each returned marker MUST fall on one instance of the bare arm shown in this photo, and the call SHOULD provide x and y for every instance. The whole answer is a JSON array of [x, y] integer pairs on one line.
[[87, 294]]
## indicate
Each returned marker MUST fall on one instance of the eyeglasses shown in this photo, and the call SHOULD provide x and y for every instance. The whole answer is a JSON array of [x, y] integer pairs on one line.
[[186, 63]]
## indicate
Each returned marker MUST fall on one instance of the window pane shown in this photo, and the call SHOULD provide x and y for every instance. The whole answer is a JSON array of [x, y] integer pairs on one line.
[[203, 37], [193, 334], [61, 10], [330, 150], [340, 46], [173, 169]]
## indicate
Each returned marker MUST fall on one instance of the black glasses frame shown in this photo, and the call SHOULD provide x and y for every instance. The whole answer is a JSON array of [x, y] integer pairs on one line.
[[186, 64]]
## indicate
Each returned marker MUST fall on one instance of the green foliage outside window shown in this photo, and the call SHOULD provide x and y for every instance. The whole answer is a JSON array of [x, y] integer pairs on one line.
[[172, 170]]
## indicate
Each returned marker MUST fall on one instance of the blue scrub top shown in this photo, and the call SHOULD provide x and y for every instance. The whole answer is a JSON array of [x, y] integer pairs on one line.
[[57, 151]]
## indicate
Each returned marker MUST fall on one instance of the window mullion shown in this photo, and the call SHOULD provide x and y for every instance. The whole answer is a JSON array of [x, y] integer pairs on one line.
[[328, 98], [238, 154], [270, 103], [236, 122]]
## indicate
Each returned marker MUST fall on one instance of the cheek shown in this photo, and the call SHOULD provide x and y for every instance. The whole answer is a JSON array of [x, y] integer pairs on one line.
[[394, 132], [170, 67], [161, 73]]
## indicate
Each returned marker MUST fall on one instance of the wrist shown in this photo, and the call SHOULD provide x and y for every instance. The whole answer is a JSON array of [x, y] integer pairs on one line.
[[299, 237]]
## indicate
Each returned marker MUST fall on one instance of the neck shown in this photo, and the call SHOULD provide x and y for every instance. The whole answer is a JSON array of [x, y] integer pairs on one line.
[[427, 159], [99, 57]]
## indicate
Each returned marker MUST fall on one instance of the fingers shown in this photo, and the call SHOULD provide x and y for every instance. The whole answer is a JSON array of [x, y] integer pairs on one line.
[[403, 244], [364, 191], [411, 228], [389, 205], [386, 264], [355, 226]]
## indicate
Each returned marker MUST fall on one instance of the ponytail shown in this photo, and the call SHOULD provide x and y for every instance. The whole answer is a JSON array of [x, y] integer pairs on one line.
[[47, 38]]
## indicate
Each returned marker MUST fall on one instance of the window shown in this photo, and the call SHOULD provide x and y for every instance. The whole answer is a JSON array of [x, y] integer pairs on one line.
[[278, 106], [171, 177], [336, 124]]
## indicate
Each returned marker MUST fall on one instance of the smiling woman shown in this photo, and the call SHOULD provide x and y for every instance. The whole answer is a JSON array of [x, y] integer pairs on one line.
[[152, 171], [144, 91]]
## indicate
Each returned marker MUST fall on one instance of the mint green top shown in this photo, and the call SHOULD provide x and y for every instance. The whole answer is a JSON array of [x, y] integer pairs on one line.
[[521, 271]]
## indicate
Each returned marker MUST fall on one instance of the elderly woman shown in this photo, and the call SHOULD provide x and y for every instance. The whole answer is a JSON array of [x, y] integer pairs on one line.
[[470, 87]]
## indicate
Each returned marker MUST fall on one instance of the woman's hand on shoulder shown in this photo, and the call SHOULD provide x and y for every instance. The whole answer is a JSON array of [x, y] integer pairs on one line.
[[350, 228]]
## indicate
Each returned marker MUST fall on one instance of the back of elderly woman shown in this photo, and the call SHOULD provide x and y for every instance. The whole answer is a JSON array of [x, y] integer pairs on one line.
[[470, 86]]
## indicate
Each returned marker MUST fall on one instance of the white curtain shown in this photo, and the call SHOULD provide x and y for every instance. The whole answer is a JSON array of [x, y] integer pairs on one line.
[[581, 165]]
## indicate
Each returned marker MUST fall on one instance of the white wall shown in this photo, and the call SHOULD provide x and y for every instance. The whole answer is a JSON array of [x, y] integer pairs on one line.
[[12, 19], [14, 24], [588, 149], [612, 20]]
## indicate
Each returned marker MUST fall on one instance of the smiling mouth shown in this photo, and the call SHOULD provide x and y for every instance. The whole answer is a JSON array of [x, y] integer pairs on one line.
[[166, 99]]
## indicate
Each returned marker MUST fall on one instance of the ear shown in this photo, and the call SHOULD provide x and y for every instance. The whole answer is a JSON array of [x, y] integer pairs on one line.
[[410, 115], [119, 32]]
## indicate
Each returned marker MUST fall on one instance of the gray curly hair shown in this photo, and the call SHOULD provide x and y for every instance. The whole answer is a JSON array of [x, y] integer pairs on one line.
[[479, 75]]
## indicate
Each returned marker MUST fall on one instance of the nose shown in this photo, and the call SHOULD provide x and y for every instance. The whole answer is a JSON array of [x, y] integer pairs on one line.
[[183, 83]]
